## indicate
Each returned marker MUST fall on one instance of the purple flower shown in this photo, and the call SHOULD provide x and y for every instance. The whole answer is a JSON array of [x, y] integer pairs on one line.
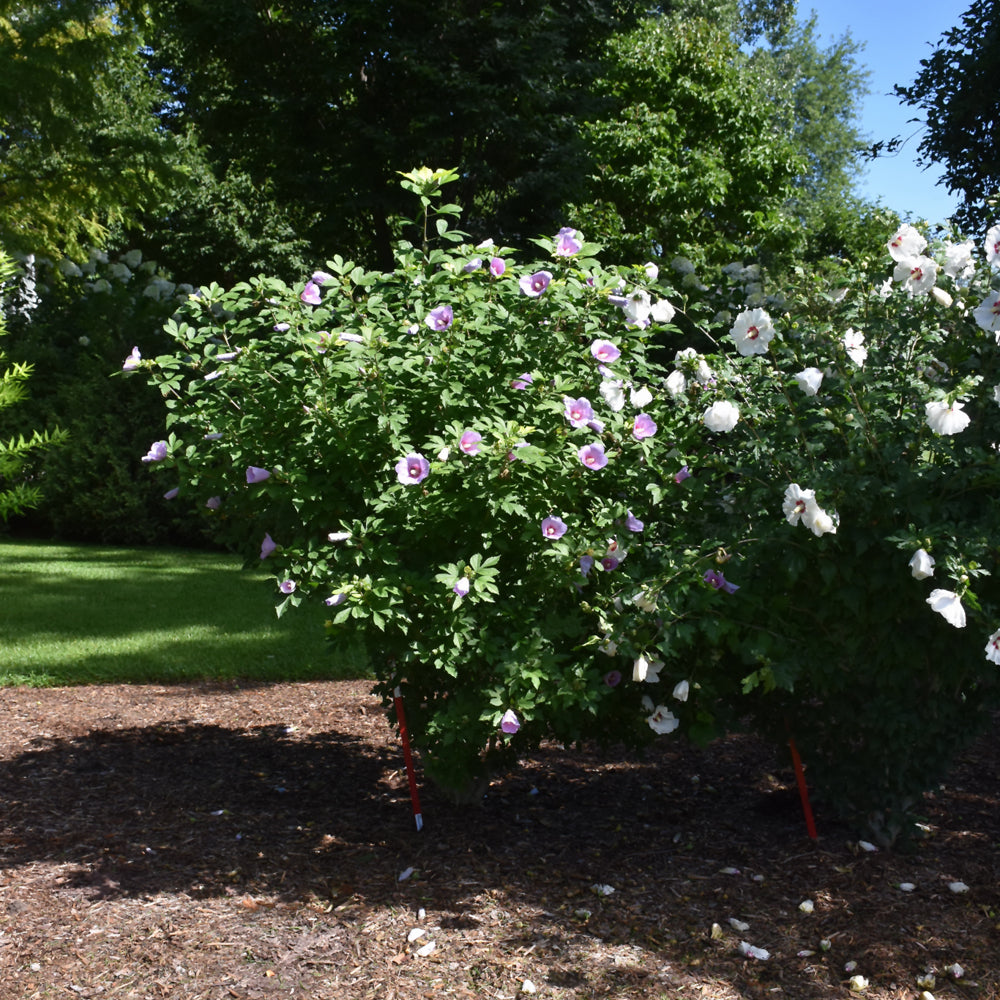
[[474, 265], [257, 475], [535, 284], [213, 503], [334, 599], [281, 327], [412, 469], [553, 527], [267, 546], [510, 723], [132, 361], [610, 563], [605, 351], [497, 267], [157, 452], [586, 565], [469, 442], [214, 436], [715, 579], [287, 586], [613, 678], [462, 586], [592, 455], [643, 426], [310, 294], [568, 242], [578, 411], [523, 382], [682, 474], [633, 523], [171, 494], [321, 277], [228, 356], [440, 318], [512, 455]]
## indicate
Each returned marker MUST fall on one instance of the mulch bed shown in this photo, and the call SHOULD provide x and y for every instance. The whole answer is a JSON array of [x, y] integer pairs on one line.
[[213, 841]]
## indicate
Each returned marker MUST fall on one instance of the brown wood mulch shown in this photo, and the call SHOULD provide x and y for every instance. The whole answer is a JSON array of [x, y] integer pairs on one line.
[[210, 842]]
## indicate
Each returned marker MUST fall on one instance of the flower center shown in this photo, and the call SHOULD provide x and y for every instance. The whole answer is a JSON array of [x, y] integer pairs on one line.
[[752, 333]]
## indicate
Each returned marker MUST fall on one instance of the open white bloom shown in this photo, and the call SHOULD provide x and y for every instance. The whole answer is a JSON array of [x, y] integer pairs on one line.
[[797, 502], [640, 397], [947, 604], [663, 721], [906, 242], [993, 648], [722, 416], [886, 289], [809, 380], [613, 393], [676, 383], [819, 522], [854, 345], [921, 564], [702, 372], [958, 262], [987, 314], [681, 690], [661, 311], [752, 332], [636, 308], [916, 274], [945, 419], [992, 247], [644, 669]]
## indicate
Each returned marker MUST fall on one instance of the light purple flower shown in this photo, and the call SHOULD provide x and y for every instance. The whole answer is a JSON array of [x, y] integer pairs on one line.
[[321, 277], [633, 523], [497, 267], [228, 356], [287, 586], [412, 469], [610, 563], [568, 242], [213, 503], [553, 527], [334, 599], [462, 586], [171, 494], [523, 382], [613, 678], [474, 265], [510, 723], [440, 318], [683, 473], [214, 436], [592, 455], [469, 442], [605, 351], [534, 284], [586, 565], [643, 426], [281, 327], [719, 582], [257, 475], [267, 546], [157, 452], [132, 361], [310, 294], [578, 411]]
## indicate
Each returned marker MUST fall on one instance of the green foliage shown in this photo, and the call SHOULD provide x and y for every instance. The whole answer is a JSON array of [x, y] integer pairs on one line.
[[956, 92]]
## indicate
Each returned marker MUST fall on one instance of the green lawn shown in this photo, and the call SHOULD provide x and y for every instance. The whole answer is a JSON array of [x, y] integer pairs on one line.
[[73, 614]]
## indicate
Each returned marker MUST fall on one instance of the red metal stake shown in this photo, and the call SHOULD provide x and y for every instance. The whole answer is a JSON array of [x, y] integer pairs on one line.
[[397, 696], [803, 791]]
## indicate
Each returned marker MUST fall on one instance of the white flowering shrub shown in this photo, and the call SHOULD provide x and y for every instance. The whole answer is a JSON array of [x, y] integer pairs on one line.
[[563, 499]]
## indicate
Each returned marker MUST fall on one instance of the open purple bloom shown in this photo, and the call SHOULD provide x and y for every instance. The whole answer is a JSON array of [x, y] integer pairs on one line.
[[267, 546], [613, 678], [715, 579], [213, 503], [157, 452], [586, 565], [643, 426], [568, 242], [683, 473], [523, 382], [592, 455], [610, 563], [257, 475], [287, 586], [535, 284], [633, 523], [132, 361], [510, 723], [469, 442], [412, 469], [462, 586], [440, 318], [553, 527], [171, 494], [497, 267], [310, 294], [578, 411], [605, 351]]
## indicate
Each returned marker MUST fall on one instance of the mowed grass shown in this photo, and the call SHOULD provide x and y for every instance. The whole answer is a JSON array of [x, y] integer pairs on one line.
[[74, 614]]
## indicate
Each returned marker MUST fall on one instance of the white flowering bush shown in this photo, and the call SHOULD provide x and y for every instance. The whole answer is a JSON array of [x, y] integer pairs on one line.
[[563, 499]]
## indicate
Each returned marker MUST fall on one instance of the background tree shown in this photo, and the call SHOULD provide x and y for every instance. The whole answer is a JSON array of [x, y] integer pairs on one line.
[[956, 89]]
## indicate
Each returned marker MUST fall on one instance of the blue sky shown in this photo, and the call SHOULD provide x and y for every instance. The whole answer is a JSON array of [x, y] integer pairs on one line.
[[895, 38]]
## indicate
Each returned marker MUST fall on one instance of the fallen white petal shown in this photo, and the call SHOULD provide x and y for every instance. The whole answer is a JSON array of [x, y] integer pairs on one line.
[[850, 966], [958, 887], [858, 983], [807, 906], [729, 871], [528, 987], [716, 932], [805, 953], [928, 981], [602, 890], [956, 970], [738, 925], [907, 886], [405, 874], [825, 945], [751, 952], [866, 846], [415, 934], [582, 914], [425, 950]]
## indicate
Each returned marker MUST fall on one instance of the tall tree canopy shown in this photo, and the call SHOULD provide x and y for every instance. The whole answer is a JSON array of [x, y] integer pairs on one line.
[[956, 89]]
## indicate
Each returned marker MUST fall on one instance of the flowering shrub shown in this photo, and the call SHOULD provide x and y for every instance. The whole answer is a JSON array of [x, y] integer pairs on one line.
[[562, 499]]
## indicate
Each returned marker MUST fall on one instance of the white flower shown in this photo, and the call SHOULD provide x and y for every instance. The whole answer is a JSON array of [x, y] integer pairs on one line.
[[958, 260], [338, 536], [906, 242], [858, 983], [941, 297], [661, 311], [819, 522], [809, 380], [681, 690], [921, 564], [663, 721], [956, 971], [945, 419], [807, 906], [867, 845], [916, 274], [752, 332], [886, 289], [721, 416], [797, 502], [853, 344], [652, 271], [647, 670], [993, 648], [947, 604], [640, 398], [677, 383], [636, 308], [906, 887], [751, 952], [992, 247], [613, 393], [987, 314]]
